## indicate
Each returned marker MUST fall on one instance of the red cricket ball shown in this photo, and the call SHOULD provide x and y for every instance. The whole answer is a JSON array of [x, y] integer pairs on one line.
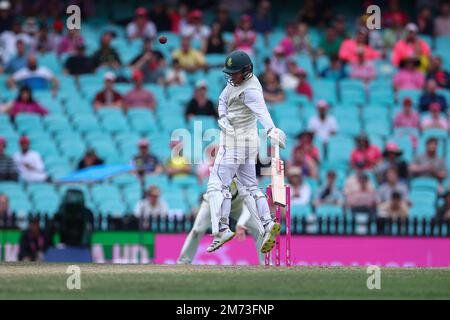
[[162, 39]]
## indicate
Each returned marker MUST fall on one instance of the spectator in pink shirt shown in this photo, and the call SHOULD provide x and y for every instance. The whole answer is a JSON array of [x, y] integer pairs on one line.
[[25, 103], [362, 69], [348, 51], [69, 42], [407, 117], [365, 153], [408, 77], [245, 36], [139, 96], [412, 45], [435, 120]]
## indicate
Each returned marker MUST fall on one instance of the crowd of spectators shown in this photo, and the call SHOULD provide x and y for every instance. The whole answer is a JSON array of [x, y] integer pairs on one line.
[[377, 181]]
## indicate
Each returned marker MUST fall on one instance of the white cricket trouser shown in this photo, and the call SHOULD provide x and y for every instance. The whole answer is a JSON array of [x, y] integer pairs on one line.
[[203, 222]]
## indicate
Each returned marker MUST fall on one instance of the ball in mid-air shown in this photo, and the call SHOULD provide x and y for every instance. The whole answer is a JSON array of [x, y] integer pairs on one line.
[[162, 39]]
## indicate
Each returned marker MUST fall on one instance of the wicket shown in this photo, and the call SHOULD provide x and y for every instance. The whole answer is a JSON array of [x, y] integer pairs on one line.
[[288, 228]]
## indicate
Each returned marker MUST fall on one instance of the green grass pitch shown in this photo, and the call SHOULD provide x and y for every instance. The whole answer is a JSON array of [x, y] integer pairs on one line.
[[104, 281]]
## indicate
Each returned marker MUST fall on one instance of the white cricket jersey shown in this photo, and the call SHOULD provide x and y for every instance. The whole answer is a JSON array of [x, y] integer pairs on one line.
[[243, 105]]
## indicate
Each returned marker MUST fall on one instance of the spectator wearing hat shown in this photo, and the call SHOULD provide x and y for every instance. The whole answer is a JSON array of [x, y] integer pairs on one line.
[[392, 184], [443, 211], [429, 164], [442, 21], [106, 55], [411, 45], [304, 88], [146, 161], [152, 206], [108, 97], [363, 198], [29, 163], [70, 42], [215, 42], [89, 159], [394, 208], [367, 154], [78, 63], [19, 60], [301, 192], [335, 70], [409, 77], [271, 88], [305, 143], [289, 80], [323, 124], [33, 242], [348, 52], [8, 169], [329, 193], [407, 117], [392, 158], [195, 29], [362, 69], [177, 165], [437, 72], [430, 95], [224, 19], [307, 165], [25, 103], [278, 61], [330, 43], [6, 17], [6, 213], [435, 120], [200, 104], [34, 77], [139, 96], [141, 27], [244, 35], [190, 59]]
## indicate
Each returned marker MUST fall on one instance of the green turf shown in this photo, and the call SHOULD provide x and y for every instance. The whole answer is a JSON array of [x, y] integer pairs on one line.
[[48, 281]]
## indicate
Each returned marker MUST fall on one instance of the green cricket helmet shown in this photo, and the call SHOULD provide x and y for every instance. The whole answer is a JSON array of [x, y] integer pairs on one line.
[[238, 61]]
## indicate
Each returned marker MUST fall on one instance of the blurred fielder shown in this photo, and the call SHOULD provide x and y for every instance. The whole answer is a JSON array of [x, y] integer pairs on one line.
[[241, 104], [238, 212]]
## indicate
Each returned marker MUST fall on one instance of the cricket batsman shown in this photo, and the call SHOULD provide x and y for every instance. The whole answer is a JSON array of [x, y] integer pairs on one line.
[[241, 104], [202, 222]]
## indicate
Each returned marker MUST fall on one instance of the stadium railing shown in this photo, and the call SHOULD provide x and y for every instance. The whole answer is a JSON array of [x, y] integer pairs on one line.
[[344, 225]]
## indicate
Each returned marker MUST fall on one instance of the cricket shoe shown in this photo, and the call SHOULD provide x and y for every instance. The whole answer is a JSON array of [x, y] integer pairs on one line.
[[219, 240], [272, 230]]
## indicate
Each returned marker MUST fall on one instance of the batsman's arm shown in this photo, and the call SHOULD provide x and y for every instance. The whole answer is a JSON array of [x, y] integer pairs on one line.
[[223, 102], [254, 99]]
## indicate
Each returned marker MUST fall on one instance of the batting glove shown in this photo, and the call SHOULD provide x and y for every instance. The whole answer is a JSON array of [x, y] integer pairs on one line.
[[225, 125], [277, 136]]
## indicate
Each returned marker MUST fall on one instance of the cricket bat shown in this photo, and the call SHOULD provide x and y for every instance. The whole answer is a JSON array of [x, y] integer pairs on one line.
[[278, 187]]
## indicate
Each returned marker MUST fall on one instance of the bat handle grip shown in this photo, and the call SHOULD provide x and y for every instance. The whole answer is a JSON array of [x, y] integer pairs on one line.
[[276, 150]]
